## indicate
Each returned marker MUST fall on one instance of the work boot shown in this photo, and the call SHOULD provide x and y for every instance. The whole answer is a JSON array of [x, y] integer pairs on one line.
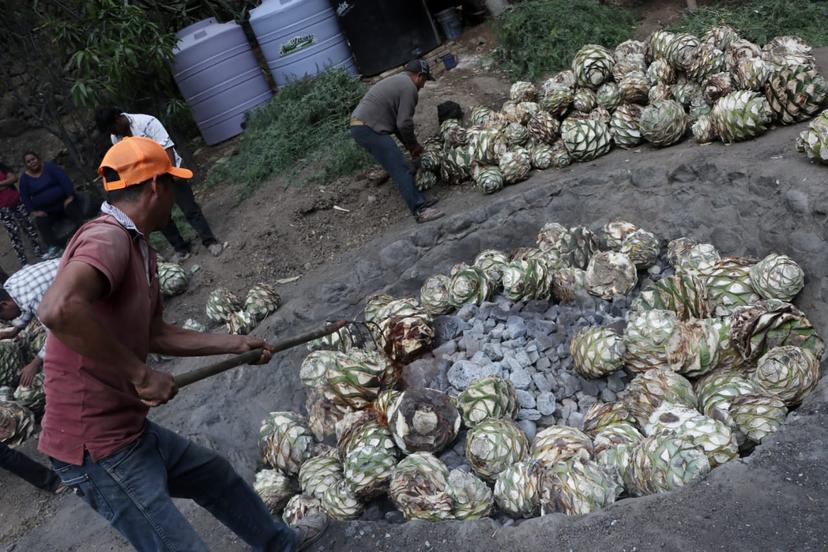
[[428, 214], [310, 529]]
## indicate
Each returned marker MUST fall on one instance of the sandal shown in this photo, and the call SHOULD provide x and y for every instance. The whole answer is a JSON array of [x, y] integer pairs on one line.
[[310, 529], [428, 214]]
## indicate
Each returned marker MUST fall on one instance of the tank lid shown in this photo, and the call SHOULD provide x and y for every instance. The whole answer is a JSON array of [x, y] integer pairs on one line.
[[194, 27]]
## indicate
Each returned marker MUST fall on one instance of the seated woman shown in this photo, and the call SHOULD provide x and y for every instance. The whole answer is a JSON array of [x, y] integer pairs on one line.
[[14, 217], [48, 194]]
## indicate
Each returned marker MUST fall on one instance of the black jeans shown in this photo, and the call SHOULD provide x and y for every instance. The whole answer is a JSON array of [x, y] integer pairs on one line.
[[53, 227], [387, 154], [185, 200], [25, 468]]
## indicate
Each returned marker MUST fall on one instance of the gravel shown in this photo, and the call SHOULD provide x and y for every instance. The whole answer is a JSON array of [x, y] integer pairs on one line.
[[528, 343]]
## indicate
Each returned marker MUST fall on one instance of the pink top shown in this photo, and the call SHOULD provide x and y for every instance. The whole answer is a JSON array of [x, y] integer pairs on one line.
[[90, 406]]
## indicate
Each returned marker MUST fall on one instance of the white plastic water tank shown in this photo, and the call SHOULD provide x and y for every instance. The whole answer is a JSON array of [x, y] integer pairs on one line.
[[218, 75], [300, 38]]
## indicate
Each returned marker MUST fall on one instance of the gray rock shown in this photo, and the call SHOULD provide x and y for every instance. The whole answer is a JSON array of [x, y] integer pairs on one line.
[[463, 372], [654, 270], [446, 349], [426, 372], [547, 421], [616, 382], [451, 459], [528, 414], [543, 363], [514, 344], [468, 311], [576, 419], [590, 387], [512, 363], [522, 358], [515, 327], [533, 356], [541, 382], [521, 378], [565, 409], [608, 396], [570, 384], [447, 328], [546, 403], [472, 342], [493, 350], [493, 311], [525, 398], [535, 306], [481, 358], [529, 428], [584, 400], [538, 328], [549, 342]]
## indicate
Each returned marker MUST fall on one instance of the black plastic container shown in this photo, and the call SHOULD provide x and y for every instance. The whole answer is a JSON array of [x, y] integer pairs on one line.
[[385, 34]]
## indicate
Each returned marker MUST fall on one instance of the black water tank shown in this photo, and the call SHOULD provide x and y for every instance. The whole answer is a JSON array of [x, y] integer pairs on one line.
[[385, 34]]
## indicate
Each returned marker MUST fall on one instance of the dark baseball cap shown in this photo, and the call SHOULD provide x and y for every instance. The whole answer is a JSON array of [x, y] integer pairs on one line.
[[420, 67]]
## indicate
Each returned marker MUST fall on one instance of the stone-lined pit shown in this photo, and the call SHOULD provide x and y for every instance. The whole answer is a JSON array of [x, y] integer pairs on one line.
[[746, 199]]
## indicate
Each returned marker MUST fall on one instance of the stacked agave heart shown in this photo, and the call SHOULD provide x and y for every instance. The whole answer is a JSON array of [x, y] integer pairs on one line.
[[11, 362], [17, 423], [172, 279], [718, 85]]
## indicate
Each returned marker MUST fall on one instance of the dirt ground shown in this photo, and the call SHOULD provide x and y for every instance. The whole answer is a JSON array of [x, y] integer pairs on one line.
[[284, 231]]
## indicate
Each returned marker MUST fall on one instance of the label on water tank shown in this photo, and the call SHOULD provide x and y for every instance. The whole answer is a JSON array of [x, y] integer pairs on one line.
[[296, 44]]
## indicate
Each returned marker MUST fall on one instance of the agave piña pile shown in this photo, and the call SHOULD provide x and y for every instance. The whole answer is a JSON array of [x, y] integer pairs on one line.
[[718, 85], [716, 352]]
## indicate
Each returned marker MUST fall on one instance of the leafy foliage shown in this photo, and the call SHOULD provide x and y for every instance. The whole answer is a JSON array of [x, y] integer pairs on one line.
[[761, 20], [538, 37], [304, 126], [113, 51]]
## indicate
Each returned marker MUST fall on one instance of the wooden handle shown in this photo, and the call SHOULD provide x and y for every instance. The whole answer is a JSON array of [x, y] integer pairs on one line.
[[210, 370]]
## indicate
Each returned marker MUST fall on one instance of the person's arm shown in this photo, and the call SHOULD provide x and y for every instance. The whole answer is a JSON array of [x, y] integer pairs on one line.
[[28, 373], [405, 122], [67, 311], [63, 180], [9, 333], [25, 193], [9, 181], [167, 339]]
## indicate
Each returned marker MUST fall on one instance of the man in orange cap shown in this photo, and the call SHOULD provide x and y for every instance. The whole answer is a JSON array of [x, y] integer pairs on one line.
[[104, 315]]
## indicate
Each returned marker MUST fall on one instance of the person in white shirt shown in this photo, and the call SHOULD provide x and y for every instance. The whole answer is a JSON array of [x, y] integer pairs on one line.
[[117, 124]]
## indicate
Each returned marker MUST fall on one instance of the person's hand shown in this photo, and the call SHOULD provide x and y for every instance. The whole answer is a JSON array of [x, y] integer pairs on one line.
[[156, 388], [9, 333], [249, 342], [28, 373], [40, 214], [68, 200]]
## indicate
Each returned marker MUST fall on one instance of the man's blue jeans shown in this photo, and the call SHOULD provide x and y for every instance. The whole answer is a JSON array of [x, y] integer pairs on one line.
[[133, 489], [387, 154]]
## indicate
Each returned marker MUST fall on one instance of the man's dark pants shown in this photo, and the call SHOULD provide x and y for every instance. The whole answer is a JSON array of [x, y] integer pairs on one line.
[[186, 201], [24, 467], [133, 490], [47, 225], [387, 154]]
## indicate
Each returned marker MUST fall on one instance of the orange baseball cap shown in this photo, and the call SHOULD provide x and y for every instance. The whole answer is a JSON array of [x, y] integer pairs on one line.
[[137, 159]]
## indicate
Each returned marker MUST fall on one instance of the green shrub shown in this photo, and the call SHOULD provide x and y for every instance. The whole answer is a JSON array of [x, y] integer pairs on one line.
[[538, 37], [305, 126], [761, 20]]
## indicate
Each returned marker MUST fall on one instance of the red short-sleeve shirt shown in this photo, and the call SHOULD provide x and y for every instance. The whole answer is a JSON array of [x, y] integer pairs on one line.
[[90, 406]]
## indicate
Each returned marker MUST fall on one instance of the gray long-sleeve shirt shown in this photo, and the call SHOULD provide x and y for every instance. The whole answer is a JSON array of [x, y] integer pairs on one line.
[[388, 108]]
